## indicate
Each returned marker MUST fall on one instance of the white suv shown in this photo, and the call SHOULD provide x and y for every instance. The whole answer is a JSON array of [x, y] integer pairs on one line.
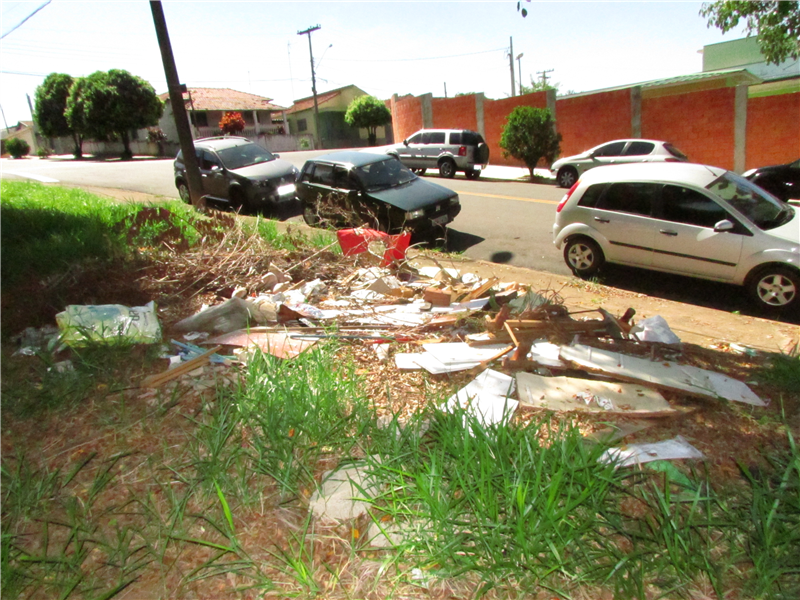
[[449, 150], [687, 219]]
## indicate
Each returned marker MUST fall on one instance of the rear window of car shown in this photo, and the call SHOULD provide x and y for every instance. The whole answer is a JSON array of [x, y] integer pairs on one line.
[[470, 138], [630, 197], [455, 138], [323, 174], [592, 195], [675, 152], [639, 148], [613, 149], [433, 137]]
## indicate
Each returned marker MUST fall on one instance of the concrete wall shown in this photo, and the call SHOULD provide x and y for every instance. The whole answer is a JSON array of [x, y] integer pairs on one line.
[[717, 126]]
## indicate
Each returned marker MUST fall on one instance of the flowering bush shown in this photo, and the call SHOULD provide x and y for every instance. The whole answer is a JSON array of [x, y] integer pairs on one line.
[[231, 122]]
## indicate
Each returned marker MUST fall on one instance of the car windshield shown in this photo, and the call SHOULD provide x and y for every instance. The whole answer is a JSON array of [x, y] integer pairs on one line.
[[244, 156], [384, 174], [765, 211]]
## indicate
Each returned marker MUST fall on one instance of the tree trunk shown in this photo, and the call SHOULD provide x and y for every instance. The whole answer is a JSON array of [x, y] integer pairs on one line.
[[126, 142]]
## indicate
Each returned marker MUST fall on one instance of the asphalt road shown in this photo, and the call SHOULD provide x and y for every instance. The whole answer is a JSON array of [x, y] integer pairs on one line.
[[505, 222]]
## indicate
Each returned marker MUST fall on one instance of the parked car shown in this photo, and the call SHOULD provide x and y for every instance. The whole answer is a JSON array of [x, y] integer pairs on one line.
[[239, 172], [373, 189], [782, 181], [687, 219], [449, 150], [568, 169]]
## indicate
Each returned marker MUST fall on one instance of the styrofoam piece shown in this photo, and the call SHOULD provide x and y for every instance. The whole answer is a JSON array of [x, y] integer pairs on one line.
[[477, 304], [587, 395], [407, 361], [434, 366], [432, 272], [675, 449], [686, 378], [461, 352], [486, 397]]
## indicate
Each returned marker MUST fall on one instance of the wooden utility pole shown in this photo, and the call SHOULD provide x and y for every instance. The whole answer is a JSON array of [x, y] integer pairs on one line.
[[193, 179], [313, 81]]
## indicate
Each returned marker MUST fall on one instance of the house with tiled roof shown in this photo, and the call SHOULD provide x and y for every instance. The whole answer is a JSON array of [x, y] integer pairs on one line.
[[205, 107], [333, 131]]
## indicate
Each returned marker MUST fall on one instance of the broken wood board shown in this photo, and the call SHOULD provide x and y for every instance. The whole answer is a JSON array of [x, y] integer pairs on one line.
[[586, 395], [663, 375], [277, 344]]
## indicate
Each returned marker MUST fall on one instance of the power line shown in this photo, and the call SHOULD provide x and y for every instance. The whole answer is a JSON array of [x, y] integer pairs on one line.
[[21, 23], [414, 59]]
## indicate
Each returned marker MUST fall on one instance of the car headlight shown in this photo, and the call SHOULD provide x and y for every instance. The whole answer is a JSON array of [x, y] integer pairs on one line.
[[289, 188], [415, 214], [454, 200]]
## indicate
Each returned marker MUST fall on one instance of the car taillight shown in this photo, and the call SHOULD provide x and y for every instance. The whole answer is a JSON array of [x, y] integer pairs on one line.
[[566, 197], [670, 159], [462, 151]]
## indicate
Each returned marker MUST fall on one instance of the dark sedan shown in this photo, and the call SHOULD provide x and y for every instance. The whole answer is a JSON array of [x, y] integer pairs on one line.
[[345, 189], [782, 181]]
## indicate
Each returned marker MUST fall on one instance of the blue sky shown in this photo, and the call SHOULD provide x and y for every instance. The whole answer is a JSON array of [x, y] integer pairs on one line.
[[382, 47]]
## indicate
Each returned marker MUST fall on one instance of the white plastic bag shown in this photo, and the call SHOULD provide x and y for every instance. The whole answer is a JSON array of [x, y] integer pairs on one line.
[[110, 323]]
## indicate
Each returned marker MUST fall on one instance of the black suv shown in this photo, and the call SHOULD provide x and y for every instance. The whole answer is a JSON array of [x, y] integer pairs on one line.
[[449, 150], [239, 172], [347, 189]]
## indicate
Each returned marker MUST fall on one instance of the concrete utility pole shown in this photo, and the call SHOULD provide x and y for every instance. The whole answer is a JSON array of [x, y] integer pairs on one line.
[[176, 90], [33, 120], [313, 81], [519, 70], [544, 76], [511, 66]]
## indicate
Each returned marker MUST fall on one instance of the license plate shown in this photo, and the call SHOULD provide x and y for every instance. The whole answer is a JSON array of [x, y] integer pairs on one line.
[[477, 167], [440, 220]]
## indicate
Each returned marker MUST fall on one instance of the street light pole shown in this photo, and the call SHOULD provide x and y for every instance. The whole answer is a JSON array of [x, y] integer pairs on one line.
[[519, 70], [313, 81]]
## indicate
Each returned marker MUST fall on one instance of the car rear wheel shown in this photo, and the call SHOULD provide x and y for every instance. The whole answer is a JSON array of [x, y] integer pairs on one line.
[[567, 176], [583, 256], [447, 168], [775, 288], [472, 173], [183, 192]]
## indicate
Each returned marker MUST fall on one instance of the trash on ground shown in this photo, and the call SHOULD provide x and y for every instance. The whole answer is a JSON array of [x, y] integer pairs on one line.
[[280, 345], [586, 395], [154, 381], [664, 375], [109, 323], [392, 248], [231, 315], [344, 494], [486, 398], [654, 329], [633, 454]]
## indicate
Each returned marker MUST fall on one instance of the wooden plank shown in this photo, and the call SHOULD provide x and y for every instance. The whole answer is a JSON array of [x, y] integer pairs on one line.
[[154, 381]]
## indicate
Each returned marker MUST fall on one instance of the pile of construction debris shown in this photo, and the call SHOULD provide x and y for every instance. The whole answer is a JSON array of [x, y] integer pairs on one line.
[[522, 349]]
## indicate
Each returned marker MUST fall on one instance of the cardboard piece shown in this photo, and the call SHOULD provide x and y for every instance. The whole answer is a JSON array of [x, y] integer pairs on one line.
[[277, 344], [487, 398], [665, 375], [586, 395]]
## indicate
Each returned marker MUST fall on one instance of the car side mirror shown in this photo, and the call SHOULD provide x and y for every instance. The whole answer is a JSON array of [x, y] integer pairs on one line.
[[215, 168], [405, 142], [276, 155], [724, 225]]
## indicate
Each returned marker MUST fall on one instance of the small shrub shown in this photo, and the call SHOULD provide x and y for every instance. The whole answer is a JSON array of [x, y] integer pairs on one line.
[[304, 144], [17, 147], [44, 152]]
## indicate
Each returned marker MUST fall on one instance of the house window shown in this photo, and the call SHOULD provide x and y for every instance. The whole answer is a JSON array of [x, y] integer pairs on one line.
[[302, 125], [200, 119]]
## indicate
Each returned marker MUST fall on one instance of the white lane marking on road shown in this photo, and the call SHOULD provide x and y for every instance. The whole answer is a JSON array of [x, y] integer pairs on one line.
[[465, 193], [40, 178]]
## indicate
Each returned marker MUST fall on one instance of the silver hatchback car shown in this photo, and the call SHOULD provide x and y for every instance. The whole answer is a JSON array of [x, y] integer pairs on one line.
[[619, 152], [687, 219]]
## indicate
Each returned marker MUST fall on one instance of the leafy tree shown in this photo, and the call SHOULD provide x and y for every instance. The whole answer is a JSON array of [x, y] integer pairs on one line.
[[231, 122], [529, 135], [17, 147], [50, 106], [75, 113], [776, 24], [370, 113], [110, 105]]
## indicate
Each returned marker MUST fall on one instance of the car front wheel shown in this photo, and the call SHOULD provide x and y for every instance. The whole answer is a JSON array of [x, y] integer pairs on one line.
[[566, 177], [775, 288], [583, 256], [447, 169]]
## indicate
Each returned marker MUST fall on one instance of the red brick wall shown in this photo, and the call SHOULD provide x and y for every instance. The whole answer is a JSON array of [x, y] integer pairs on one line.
[[587, 121], [454, 113], [406, 117], [701, 124], [495, 113], [773, 130]]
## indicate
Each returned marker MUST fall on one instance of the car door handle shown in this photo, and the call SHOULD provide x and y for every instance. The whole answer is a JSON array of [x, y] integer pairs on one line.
[[602, 220], [668, 232]]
